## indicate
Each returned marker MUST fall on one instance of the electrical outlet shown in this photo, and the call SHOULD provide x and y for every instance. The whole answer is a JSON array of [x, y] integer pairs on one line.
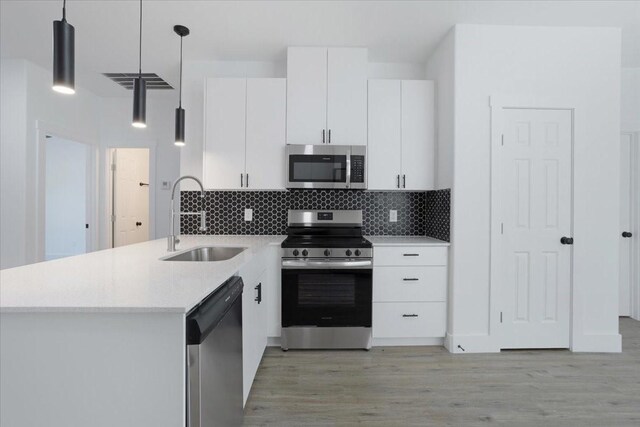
[[248, 214], [166, 185], [393, 215]]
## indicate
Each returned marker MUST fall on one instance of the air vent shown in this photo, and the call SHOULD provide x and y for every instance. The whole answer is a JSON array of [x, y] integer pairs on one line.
[[125, 80]]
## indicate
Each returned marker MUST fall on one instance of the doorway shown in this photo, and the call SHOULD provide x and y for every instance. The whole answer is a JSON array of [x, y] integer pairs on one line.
[[629, 223], [67, 206], [534, 200], [129, 196]]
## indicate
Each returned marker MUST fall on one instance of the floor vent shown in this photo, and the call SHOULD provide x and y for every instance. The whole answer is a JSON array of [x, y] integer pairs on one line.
[[125, 80]]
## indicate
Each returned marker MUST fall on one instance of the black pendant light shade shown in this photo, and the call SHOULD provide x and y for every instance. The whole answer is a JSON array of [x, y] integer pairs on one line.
[[179, 141], [182, 31], [63, 55], [140, 89], [139, 103]]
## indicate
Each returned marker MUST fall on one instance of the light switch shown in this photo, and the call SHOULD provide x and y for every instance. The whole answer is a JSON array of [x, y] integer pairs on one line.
[[393, 215], [248, 214]]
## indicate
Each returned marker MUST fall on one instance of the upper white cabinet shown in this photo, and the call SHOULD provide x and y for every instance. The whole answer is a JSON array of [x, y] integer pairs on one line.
[[327, 95], [245, 124], [401, 149]]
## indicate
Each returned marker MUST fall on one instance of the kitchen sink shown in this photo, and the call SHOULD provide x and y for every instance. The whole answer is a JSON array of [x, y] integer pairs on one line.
[[206, 253]]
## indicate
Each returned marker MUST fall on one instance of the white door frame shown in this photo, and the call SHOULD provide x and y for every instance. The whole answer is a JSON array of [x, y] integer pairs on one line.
[[108, 188], [635, 224], [497, 104], [42, 130]]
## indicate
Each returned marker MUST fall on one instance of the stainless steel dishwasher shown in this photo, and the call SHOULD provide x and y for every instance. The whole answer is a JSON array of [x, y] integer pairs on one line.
[[214, 358]]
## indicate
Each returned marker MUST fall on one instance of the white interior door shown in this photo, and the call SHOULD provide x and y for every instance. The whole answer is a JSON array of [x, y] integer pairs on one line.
[[306, 94], [418, 135], [266, 128], [130, 196], [536, 214], [225, 133], [347, 96], [625, 225], [384, 151]]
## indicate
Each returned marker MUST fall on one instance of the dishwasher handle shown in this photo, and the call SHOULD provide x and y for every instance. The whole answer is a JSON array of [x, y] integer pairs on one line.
[[205, 316]]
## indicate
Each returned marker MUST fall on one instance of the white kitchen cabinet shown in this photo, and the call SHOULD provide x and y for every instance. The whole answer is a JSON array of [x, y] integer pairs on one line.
[[409, 293], [418, 135], [254, 323], [266, 129], [327, 95], [245, 122], [401, 148], [224, 146], [384, 151]]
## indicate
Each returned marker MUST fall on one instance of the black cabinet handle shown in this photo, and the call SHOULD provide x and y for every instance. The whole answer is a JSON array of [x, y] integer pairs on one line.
[[138, 224], [329, 137], [323, 131], [404, 181], [398, 181], [247, 180], [410, 279], [409, 315], [410, 254], [259, 289], [566, 240], [627, 234]]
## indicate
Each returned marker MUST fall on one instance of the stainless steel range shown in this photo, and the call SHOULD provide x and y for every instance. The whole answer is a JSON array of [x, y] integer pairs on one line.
[[326, 281]]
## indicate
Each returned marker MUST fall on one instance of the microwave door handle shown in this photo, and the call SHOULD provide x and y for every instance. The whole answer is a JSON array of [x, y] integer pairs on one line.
[[348, 169]]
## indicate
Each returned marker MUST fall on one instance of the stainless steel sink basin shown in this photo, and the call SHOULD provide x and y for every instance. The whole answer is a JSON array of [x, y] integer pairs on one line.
[[206, 253]]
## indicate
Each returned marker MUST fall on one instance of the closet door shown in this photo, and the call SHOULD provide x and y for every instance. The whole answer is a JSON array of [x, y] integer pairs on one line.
[[266, 127], [224, 146], [384, 149], [418, 135]]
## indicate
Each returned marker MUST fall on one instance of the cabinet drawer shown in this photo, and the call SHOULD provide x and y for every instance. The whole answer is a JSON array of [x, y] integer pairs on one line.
[[409, 255], [409, 284], [409, 319]]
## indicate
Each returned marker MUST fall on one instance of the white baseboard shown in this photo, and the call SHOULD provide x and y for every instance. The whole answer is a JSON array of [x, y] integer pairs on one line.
[[597, 343], [461, 344], [405, 342]]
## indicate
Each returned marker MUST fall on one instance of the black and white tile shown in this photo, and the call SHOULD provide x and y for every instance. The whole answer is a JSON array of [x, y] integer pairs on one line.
[[438, 216], [225, 210]]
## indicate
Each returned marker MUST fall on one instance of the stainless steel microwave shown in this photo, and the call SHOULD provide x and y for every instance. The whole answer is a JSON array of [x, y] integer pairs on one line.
[[327, 166]]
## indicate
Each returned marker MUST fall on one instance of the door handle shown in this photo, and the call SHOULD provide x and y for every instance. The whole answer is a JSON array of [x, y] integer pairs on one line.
[[259, 289], [138, 224], [143, 184], [397, 181], [241, 180], [323, 131], [247, 182], [329, 137], [627, 234], [566, 240], [404, 181]]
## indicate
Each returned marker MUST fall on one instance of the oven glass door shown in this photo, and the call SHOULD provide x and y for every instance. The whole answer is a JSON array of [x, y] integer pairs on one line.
[[311, 168], [324, 297]]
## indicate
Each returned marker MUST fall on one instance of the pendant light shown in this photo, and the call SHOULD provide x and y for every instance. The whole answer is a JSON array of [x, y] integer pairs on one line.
[[140, 89], [63, 54], [182, 31]]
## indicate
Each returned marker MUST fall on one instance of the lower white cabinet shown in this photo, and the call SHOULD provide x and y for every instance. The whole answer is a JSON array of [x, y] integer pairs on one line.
[[409, 292], [254, 322]]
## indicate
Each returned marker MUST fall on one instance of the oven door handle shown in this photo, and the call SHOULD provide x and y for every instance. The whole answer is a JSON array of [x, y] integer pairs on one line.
[[326, 264]]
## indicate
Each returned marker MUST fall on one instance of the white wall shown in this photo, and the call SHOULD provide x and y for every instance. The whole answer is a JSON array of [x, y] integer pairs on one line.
[[580, 67], [66, 198], [31, 108], [630, 98], [441, 68]]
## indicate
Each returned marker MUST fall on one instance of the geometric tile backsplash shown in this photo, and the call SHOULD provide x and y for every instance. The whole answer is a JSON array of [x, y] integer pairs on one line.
[[225, 211]]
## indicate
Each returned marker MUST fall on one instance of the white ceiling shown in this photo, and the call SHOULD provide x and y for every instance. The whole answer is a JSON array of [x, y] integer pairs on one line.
[[394, 31]]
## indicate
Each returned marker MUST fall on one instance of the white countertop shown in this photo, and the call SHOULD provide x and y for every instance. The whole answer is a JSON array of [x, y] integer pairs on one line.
[[126, 279], [406, 241]]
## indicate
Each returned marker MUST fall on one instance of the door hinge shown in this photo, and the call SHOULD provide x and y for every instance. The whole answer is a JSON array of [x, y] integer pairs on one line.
[[502, 139], [113, 166], [500, 317], [113, 218]]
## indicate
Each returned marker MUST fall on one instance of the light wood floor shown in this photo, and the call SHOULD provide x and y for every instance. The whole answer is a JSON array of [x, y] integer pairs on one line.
[[427, 386]]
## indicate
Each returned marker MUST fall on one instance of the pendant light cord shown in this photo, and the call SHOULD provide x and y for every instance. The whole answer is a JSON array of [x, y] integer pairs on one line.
[[180, 102], [140, 49]]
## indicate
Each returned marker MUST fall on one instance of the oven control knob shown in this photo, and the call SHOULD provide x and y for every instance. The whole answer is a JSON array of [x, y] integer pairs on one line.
[[348, 252], [358, 252], [295, 252], [327, 252], [305, 252]]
